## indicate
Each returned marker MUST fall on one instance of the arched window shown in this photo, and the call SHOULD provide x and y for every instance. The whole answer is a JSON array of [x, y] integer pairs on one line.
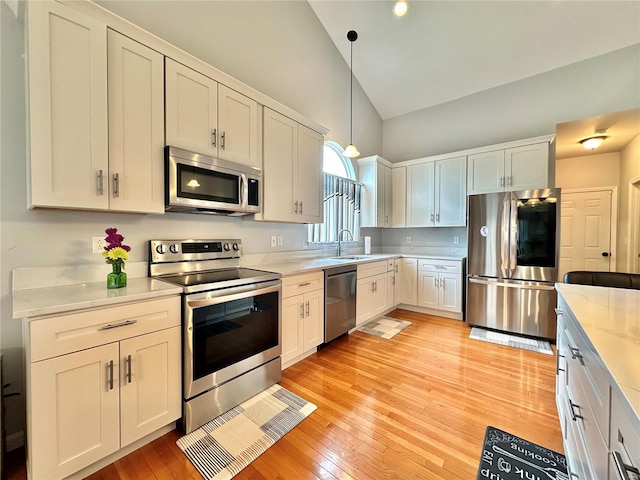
[[341, 199]]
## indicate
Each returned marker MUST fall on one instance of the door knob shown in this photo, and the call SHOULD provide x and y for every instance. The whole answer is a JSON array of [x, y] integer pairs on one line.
[[605, 254]]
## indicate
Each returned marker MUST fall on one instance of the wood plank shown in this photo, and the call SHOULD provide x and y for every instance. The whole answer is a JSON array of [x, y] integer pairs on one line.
[[415, 406]]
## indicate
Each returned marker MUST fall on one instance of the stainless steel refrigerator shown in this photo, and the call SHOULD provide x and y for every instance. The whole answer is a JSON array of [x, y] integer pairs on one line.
[[513, 242]]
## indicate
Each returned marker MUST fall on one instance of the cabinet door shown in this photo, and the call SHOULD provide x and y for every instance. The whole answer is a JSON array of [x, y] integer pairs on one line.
[[292, 317], [399, 196], [391, 289], [313, 323], [74, 408], [385, 196], [364, 303], [409, 281], [191, 109], [450, 292], [380, 295], [428, 290], [485, 172], [238, 125], [420, 195], [150, 383], [280, 166], [68, 108], [136, 126], [451, 192], [309, 185], [527, 167]]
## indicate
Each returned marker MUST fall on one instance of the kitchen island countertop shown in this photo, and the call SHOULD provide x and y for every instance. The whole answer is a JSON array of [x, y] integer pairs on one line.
[[610, 319]]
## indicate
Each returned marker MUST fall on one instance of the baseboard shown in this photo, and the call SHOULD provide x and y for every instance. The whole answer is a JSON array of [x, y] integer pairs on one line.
[[431, 311], [298, 358]]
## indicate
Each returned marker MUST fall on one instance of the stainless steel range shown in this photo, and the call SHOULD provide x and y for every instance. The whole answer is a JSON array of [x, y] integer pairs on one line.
[[231, 324]]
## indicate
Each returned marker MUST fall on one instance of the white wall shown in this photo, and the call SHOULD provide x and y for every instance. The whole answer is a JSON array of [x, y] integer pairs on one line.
[[522, 109], [629, 170], [588, 171]]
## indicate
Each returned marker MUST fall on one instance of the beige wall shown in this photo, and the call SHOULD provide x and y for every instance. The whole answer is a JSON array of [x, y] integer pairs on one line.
[[629, 171], [588, 171]]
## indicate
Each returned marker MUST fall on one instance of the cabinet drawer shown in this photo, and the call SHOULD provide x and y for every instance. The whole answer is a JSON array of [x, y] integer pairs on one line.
[[586, 368], [625, 435], [372, 268], [53, 336], [299, 284], [428, 265]]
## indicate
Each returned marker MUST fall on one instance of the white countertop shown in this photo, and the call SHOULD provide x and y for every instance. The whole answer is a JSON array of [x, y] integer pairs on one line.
[[307, 265], [62, 299], [610, 318]]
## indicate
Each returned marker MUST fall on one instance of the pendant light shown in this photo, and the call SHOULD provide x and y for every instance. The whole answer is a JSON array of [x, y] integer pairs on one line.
[[351, 151]]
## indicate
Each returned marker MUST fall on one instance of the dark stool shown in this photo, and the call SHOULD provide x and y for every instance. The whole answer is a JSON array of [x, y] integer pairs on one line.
[[604, 279]]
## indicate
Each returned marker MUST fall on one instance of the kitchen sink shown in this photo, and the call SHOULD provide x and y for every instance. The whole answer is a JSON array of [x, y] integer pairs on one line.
[[349, 257]]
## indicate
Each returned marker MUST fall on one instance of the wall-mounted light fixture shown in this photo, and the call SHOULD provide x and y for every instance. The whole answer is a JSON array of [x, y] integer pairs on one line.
[[400, 8], [593, 142], [351, 151]]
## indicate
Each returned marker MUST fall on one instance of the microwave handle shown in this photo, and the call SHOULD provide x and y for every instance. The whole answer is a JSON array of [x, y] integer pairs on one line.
[[244, 191]]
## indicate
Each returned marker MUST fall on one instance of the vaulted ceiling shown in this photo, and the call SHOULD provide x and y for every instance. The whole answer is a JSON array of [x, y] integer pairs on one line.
[[443, 50]]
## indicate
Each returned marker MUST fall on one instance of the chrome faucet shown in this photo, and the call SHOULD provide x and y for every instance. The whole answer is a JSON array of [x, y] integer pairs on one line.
[[340, 241]]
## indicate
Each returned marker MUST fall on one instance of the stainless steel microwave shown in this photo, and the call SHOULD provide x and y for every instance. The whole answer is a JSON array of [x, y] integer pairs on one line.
[[197, 183]]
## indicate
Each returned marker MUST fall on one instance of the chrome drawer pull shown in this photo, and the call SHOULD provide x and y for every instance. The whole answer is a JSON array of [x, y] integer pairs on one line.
[[574, 415], [118, 325], [558, 311], [307, 309], [575, 353], [127, 368], [623, 468], [302, 310], [304, 284], [110, 375]]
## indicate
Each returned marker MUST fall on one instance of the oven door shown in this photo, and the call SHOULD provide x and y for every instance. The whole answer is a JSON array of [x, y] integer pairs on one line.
[[229, 332]]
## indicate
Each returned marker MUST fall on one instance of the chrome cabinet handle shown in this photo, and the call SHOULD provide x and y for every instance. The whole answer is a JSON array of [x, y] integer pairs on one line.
[[222, 138], [100, 183], [432, 217], [393, 280], [442, 282], [623, 468], [558, 311], [307, 309], [502, 181], [295, 208], [302, 310], [575, 353], [300, 208], [574, 415], [304, 284], [127, 368], [437, 217], [396, 268], [435, 282], [509, 181], [116, 185], [110, 375], [118, 325], [213, 137]]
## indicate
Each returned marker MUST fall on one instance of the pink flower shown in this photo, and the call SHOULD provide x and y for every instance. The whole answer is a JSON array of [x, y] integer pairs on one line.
[[114, 240]]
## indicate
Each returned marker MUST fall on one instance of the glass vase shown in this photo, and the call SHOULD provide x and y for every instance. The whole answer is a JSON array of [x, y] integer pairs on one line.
[[117, 278]]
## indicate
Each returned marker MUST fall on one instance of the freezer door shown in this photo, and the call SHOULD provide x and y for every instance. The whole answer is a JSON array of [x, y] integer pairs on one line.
[[525, 308], [487, 237]]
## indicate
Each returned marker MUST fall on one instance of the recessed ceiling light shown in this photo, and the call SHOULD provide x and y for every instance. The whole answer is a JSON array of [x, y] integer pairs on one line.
[[400, 8]]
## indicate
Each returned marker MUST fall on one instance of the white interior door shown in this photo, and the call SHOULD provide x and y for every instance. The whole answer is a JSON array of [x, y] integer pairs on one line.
[[585, 232]]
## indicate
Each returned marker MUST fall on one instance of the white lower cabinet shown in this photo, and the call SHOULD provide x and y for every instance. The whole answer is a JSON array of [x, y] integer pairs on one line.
[[601, 433], [440, 285], [408, 285], [371, 292], [98, 381], [302, 315]]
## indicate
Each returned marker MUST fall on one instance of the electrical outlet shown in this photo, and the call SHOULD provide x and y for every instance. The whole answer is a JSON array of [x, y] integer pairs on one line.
[[408, 239], [98, 244], [456, 240], [279, 240], [274, 241]]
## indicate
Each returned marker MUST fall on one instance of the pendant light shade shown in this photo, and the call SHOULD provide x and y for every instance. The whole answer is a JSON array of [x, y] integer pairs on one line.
[[351, 151]]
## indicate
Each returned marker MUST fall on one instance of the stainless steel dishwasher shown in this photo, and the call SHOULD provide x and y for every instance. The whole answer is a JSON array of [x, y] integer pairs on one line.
[[339, 301]]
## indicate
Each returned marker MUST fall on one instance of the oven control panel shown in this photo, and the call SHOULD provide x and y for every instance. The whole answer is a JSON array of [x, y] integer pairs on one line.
[[164, 251]]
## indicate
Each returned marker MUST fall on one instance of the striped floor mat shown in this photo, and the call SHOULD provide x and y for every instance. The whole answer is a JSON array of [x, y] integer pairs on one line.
[[221, 448], [532, 344]]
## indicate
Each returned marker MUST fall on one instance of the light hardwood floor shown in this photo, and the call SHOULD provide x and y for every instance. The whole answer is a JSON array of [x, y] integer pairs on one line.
[[413, 407]]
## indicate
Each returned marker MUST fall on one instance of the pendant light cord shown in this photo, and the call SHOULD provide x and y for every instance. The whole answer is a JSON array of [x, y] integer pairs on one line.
[[351, 101]]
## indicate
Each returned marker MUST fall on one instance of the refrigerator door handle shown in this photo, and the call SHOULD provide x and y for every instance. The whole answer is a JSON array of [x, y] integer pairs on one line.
[[505, 228], [528, 286], [513, 235]]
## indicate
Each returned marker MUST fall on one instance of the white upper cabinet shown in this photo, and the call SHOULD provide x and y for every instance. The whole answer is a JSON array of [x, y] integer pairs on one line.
[[87, 153], [518, 168], [68, 107], [399, 196], [292, 175], [210, 118], [377, 192], [136, 126], [436, 193]]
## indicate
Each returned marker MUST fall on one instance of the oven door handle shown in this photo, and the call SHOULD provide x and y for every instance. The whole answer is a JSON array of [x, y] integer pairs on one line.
[[214, 297]]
